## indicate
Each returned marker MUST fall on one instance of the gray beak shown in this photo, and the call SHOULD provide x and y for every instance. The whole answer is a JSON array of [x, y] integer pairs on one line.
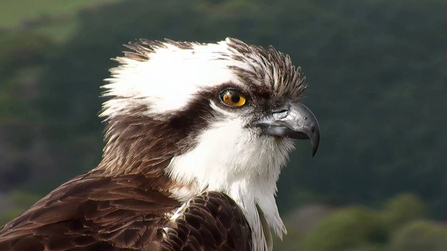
[[293, 120]]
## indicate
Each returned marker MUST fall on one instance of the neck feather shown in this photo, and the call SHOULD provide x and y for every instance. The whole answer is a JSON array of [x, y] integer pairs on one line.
[[244, 166]]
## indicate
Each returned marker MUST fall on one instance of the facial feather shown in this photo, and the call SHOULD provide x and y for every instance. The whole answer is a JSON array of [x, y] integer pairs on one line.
[[217, 150]]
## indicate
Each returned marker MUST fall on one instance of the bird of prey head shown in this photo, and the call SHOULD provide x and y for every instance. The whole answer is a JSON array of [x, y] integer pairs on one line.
[[220, 116], [196, 136]]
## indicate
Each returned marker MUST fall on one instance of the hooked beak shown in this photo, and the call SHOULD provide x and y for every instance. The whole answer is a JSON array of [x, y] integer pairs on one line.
[[293, 120]]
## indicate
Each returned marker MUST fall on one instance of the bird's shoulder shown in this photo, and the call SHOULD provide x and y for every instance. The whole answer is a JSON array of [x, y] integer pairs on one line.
[[126, 212], [92, 212]]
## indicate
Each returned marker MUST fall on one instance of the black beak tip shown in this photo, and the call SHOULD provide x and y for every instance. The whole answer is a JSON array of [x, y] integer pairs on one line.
[[315, 139], [307, 133], [314, 147]]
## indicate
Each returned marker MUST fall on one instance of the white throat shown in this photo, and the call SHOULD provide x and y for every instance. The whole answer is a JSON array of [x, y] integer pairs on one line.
[[232, 159]]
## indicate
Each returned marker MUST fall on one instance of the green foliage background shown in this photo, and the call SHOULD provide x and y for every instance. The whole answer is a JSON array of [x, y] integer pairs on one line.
[[375, 68]]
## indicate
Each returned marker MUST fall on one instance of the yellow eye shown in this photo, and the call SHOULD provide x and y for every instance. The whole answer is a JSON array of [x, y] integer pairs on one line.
[[233, 98]]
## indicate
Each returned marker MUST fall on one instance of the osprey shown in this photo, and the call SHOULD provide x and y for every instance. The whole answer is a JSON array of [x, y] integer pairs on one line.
[[196, 135]]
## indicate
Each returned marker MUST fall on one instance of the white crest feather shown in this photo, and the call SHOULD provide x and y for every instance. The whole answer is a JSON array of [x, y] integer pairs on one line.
[[169, 79]]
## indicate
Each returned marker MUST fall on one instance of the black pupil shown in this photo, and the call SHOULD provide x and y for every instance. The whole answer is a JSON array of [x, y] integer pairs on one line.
[[235, 98]]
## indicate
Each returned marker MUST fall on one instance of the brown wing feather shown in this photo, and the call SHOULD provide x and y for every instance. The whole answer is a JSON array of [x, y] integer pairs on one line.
[[212, 221], [94, 212]]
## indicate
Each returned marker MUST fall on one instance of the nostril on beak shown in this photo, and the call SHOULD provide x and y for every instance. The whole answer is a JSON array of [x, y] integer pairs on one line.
[[280, 114]]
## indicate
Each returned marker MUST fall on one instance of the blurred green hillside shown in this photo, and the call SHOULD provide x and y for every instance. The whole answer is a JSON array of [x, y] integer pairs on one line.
[[54, 18], [377, 84], [392, 227], [14, 12]]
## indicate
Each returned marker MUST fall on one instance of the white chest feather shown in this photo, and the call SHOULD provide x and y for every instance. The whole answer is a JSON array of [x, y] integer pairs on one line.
[[230, 158]]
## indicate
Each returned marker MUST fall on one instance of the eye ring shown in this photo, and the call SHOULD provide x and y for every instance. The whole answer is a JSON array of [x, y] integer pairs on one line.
[[233, 98]]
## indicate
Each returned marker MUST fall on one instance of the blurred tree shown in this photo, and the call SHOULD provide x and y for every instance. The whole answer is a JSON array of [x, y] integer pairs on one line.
[[403, 209], [346, 229], [420, 235], [360, 228]]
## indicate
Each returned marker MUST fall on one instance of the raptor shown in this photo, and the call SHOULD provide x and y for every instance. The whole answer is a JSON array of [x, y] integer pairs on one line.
[[196, 136]]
